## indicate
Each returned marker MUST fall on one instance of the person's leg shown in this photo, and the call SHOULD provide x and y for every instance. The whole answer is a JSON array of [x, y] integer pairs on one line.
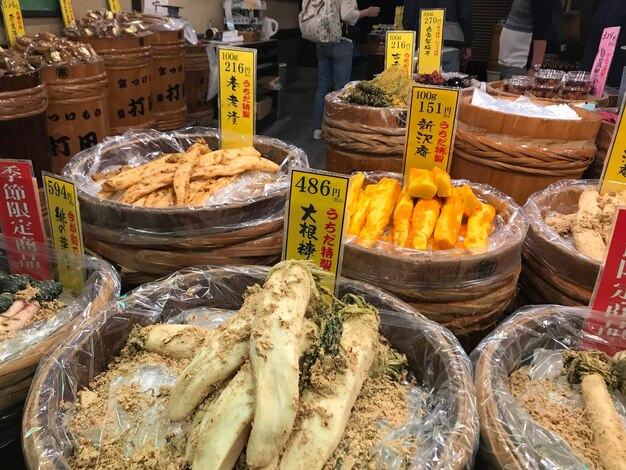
[[451, 60], [342, 64], [324, 84]]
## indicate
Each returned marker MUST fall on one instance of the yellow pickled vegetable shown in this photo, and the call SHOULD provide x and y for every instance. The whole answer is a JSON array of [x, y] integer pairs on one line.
[[423, 222], [462, 235], [470, 201], [354, 190], [449, 223], [443, 182], [382, 203], [422, 183], [360, 213], [402, 219], [479, 227]]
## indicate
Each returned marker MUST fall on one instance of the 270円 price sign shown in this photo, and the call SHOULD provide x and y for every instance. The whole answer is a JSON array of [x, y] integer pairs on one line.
[[430, 129], [237, 97], [314, 221], [431, 40], [399, 48]]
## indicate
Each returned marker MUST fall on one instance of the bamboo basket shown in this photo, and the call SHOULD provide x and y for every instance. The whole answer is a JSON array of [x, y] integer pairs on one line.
[[363, 138], [436, 357], [550, 327], [497, 89], [521, 155], [554, 271], [466, 293]]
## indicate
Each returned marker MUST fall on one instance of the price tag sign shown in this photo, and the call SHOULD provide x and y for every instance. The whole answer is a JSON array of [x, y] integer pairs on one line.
[[13, 20], [607, 316], [67, 11], [614, 172], [602, 62], [315, 216], [431, 127], [21, 221], [237, 99], [64, 215], [399, 47], [114, 6], [431, 40]]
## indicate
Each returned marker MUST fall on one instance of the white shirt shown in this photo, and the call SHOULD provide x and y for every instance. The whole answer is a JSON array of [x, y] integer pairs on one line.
[[348, 10]]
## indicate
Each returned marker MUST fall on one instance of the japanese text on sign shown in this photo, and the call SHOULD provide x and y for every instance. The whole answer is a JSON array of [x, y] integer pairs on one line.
[[237, 98], [67, 11], [430, 131], [399, 47], [314, 223], [431, 40], [21, 220], [614, 173], [13, 20], [604, 57], [607, 318], [66, 231], [114, 6]]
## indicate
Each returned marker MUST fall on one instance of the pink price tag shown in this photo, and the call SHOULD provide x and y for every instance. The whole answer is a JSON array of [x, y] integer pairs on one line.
[[605, 328], [602, 64]]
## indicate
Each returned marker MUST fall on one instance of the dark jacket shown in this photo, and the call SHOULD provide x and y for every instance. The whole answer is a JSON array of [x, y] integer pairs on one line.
[[458, 28]]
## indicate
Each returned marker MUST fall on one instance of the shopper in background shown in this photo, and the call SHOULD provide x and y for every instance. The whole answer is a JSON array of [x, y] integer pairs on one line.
[[335, 60], [609, 13], [457, 30], [532, 28]]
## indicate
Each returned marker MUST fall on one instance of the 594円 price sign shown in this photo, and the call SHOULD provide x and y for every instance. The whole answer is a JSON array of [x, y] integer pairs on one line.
[[399, 47], [315, 219], [13, 20], [430, 129], [237, 96]]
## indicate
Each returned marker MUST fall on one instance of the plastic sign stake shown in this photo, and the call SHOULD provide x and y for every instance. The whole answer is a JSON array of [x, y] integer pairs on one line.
[[67, 234], [431, 40], [614, 172], [237, 96], [21, 221], [114, 6], [67, 11], [399, 49], [607, 316], [430, 129], [604, 57], [315, 220], [13, 20]]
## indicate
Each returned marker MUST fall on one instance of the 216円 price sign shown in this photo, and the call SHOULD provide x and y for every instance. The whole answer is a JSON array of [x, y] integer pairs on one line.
[[430, 129], [315, 216], [399, 47], [614, 173], [431, 40], [237, 98]]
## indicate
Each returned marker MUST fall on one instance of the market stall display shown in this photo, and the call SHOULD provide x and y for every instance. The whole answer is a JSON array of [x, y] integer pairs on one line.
[[462, 275], [241, 222], [521, 147], [36, 314], [441, 431], [570, 226], [603, 142], [534, 411], [197, 72]]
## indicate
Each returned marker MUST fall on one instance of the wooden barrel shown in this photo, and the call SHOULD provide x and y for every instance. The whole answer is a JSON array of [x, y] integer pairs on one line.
[[363, 138], [510, 347], [197, 73], [375, 53], [128, 63], [78, 110], [603, 142], [467, 293], [521, 155], [554, 271], [168, 79], [434, 357], [23, 132]]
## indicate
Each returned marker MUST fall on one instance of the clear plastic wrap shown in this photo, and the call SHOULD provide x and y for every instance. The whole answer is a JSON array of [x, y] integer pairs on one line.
[[535, 336], [524, 106], [448, 430], [247, 202], [21, 351]]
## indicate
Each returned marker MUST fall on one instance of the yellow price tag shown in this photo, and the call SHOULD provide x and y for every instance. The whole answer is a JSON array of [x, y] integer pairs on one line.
[[67, 11], [431, 40], [237, 101], [114, 6], [67, 234], [314, 222], [431, 127], [399, 48], [614, 173], [13, 20]]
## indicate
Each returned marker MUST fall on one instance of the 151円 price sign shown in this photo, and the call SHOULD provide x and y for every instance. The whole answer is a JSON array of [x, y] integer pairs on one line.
[[399, 47], [430, 129], [431, 40], [237, 97], [315, 219]]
